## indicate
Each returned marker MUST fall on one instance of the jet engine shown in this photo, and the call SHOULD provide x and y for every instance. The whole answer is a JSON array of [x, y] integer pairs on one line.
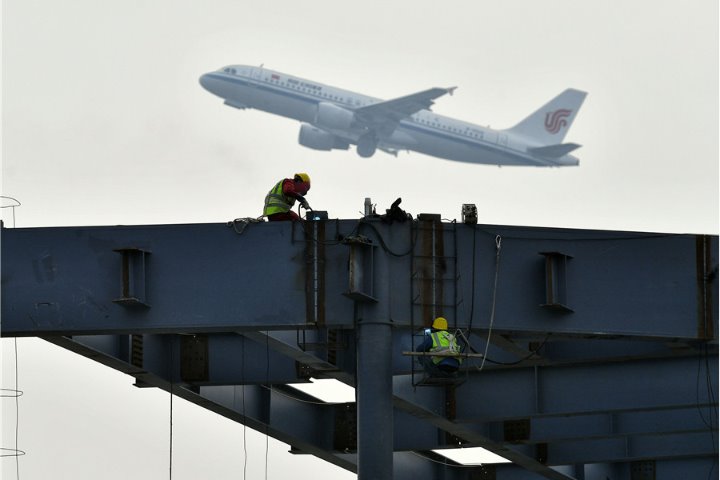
[[331, 116], [317, 139]]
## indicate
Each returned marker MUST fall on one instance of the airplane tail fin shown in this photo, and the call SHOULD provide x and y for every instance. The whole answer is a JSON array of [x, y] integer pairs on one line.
[[549, 124]]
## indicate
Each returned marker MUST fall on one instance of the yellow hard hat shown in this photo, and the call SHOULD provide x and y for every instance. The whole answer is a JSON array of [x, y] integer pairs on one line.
[[304, 177], [440, 324]]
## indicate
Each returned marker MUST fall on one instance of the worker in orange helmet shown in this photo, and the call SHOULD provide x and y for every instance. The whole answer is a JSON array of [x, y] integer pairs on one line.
[[439, 340], [281, 198]]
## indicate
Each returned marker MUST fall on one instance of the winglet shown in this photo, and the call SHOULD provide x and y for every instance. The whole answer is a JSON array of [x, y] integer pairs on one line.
[[451, 90]]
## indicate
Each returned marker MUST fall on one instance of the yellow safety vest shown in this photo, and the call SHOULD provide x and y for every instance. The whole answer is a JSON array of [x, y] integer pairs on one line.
[[276, 202], [443, 341]]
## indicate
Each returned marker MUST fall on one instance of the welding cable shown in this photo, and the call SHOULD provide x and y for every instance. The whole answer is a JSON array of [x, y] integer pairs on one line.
[[16, 394], [267, 381], [171, 407], [709, 422], [498, 246], [496, 362], [304, 224], [11, 206], [385, 246], [13, 393], [242, 382], [472, 284], [240, 224], [14, 452]]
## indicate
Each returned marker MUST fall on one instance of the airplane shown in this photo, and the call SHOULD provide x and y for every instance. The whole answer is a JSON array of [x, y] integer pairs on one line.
[[333, 118]]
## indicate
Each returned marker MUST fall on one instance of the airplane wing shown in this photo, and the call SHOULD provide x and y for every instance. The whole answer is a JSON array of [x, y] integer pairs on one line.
[[392, 111]]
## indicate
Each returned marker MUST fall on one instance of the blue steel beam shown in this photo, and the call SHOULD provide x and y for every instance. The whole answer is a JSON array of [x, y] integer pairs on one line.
[[203, 278], [284, 413], [407, 436], [439, 400], [195, 278], [567, 390], [698, 468], [412, 443], [551, 285], [596, 426], [602, 425], [664, 447], [221, 355], [226, 352]]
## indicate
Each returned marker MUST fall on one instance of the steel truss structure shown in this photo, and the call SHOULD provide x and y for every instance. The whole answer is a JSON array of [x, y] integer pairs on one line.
[[595, 352]]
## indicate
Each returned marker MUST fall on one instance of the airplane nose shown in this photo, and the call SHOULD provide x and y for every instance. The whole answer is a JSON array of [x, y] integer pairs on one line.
[[213, 84], [206, 82]]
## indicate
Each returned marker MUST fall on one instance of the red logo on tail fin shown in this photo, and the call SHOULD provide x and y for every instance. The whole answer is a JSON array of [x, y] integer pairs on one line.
[[554, 121]]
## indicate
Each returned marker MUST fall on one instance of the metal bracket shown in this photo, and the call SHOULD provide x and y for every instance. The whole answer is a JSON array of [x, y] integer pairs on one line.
[[133, 278], [556, 281], [360, 269]]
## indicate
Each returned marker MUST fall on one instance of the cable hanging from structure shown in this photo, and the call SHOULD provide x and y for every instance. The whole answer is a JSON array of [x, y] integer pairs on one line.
[[15, 393]]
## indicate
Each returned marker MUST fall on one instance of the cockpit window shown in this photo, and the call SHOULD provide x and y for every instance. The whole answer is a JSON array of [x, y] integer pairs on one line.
[[230, 70]]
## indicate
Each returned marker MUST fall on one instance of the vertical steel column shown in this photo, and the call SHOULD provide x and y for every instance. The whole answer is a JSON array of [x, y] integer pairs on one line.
[[374, 401], [374, 379]]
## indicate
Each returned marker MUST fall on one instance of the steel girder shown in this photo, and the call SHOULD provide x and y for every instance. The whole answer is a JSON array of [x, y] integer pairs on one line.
[[206, 277], [601, 350]]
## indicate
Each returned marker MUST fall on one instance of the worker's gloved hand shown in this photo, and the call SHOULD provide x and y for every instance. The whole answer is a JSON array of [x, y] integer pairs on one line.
[[304, 203]]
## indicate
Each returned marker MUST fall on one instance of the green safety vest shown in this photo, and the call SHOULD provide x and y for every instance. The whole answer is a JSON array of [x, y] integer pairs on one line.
[[276, 202], [443, 341]]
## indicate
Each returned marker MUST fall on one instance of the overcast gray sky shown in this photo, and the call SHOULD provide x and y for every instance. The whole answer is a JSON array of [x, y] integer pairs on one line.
[[104, 122]]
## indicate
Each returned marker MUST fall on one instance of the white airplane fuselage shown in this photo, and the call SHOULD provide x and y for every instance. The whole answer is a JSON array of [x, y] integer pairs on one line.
[[333, 118]]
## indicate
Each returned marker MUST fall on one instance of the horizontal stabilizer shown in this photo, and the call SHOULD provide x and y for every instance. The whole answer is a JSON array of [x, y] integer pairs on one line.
[[554, 151]]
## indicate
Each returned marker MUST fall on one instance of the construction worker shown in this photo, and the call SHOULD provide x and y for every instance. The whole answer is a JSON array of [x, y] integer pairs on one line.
[[281, 198], [439, 340]]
